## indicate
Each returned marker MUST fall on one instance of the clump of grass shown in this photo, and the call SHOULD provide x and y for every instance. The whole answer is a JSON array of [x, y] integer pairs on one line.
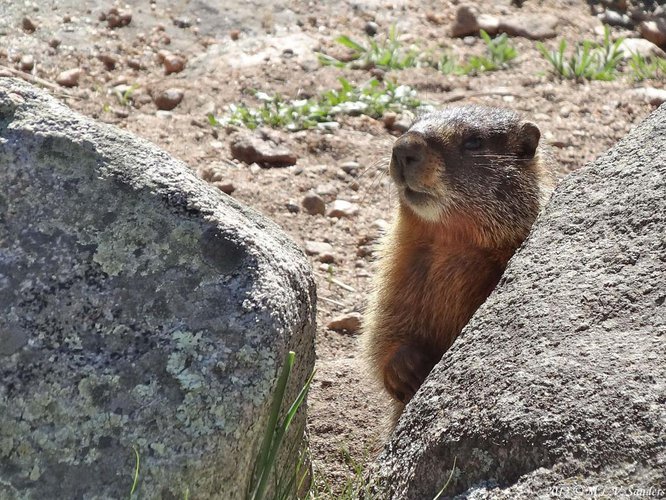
[[272, 443], [588, 61], [447, 64], [387, 53], [499, 53], [647, 68], [373, 99], [390, 54]]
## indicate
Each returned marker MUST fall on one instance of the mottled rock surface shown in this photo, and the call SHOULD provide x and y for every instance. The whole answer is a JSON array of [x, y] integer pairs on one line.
[[138, 307], [557, 387]]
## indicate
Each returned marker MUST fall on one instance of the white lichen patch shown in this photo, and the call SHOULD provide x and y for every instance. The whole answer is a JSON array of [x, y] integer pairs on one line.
[[35, 473], [132, 245], [6, 445], [484, 459], [145, 392], [187, 341], [159, 448]]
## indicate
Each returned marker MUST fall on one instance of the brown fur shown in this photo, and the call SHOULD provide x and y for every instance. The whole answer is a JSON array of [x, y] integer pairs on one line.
[[434, 274]]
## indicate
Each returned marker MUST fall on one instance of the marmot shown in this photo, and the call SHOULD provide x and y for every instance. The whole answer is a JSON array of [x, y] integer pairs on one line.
[[471, 181]]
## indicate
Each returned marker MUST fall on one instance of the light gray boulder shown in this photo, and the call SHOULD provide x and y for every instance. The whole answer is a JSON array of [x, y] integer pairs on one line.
[[139, 307], [557, 387]]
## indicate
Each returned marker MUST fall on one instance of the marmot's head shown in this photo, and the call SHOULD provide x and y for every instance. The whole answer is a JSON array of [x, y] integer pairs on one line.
[[471, 162]]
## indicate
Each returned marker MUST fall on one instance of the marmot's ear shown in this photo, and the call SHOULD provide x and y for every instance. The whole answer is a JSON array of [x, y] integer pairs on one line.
[[529, 139]]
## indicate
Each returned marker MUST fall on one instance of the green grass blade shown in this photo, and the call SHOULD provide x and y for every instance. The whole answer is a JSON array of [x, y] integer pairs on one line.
[[448, 481], [266, 456], [212, 120], [351, 44], [326, 60], [137, 462], [298, 401]]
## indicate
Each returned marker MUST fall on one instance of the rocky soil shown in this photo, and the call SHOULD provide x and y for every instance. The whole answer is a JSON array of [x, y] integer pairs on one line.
[[160, 68]]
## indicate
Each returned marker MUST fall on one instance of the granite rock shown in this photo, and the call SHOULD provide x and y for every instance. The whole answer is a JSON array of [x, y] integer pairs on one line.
[[139, 307]]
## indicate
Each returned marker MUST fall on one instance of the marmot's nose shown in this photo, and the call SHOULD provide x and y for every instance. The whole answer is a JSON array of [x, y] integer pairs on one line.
[[409, 153]]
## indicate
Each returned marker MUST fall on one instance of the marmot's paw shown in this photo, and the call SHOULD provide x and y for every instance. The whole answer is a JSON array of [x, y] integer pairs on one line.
[[406, 371]]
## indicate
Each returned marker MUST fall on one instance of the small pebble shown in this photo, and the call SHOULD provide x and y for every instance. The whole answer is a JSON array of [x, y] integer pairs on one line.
[[109, 61], [402, 125], [342, 208], [249, 149], [116, 18], [168, 99], [173, 64], [351, 168], [292, 207], [27, 63], [225, 187], [350, 323], [69, 78], [371, 28], [314, 204], [182, 22], [656, 97], [613, 18], [328, 190], [655, 31], [389, 119], [640, 46], [326, 258], [135, 64], [317, 247], [28, 25], [322, 251], [466, 22]]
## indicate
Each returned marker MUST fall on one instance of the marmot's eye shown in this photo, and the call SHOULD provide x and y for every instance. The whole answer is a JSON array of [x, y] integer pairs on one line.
[[472, 143]]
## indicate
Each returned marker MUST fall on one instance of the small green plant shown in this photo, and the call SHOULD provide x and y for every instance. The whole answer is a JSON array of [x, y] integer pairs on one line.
[[125, 96], [373, 99], [272, 442], [388, 53], [499, 54], [589, 60], [647, 68], [447, 64]]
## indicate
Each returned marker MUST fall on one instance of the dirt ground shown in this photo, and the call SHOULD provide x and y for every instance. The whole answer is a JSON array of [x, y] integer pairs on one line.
[[230, 48]]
